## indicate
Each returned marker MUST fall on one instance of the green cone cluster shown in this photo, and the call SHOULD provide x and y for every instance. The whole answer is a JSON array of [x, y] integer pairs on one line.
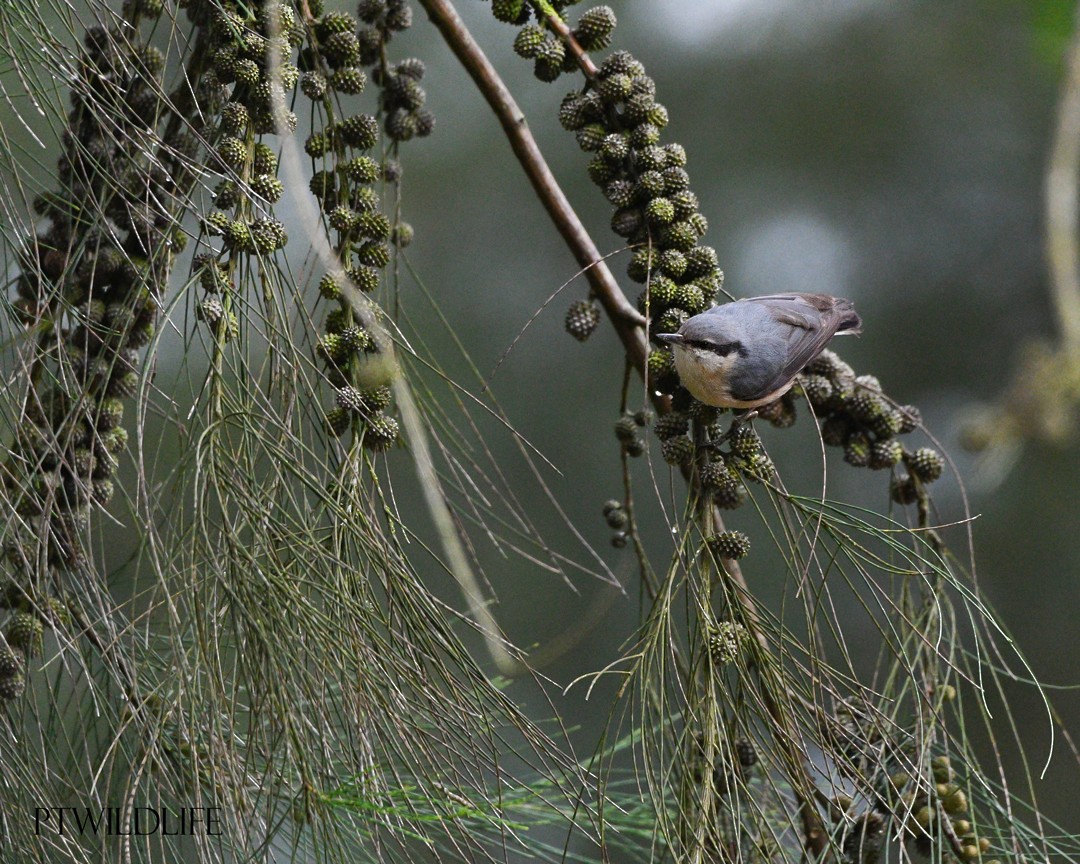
[[253, 49], [24, 632], [12, 673], [627, 429], [917, 798], [729, 544], [89, 286], [856, 415], [537, 42], [346, 185], [616, 117], [619, 521], [728, 468], [582, 319], [726, 640]]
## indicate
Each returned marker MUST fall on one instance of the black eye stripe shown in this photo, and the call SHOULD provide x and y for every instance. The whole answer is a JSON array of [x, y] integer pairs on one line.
[[723, 349]]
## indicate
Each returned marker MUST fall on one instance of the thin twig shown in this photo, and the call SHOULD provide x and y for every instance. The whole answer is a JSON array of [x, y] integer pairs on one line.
[[628, 322], [1062, 190]]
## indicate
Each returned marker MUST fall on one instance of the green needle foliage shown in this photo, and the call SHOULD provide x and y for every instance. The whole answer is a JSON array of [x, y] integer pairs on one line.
[[215, 598]]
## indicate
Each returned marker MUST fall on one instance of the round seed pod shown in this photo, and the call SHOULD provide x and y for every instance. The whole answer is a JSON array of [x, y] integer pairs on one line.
[[313, 85], [910, 418], [331, 347], [398, 16], [617, 519], [343, 218], [573, 113], [362, 169], [338, 421], [334, 22], [341, 49], [690, 297], [528, 41], [680, 235], [686, 204], [672, 320], [902, 490], [323, 185], [122, 384], [671, 425], [25, 632], [381, 432], [678, 450], [617, 61], [626, 220], [376, 399], [109, 414], [372, 11], [510, 11], [745, 441], [264, 160], [366, 278], [402, 235], [746, 751], [12, 679], [659, 364], [349, 80], [374, 225], [358, 339], [234, 118], [268, 235], [373, 254], [620, 192], [594, 28], [210, 310], [926, 464], [725, 640], [614, 89], [232, 151], [582, 319], [548, 64], [730, 544], [659, 211], [591, 136], [350, 399], [817, 389], [268, 187], [885, 454], [360, 131], [857, 449]]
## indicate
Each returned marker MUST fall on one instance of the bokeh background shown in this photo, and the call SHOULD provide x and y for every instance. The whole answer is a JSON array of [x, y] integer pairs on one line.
[[889, 151], [892, 152]]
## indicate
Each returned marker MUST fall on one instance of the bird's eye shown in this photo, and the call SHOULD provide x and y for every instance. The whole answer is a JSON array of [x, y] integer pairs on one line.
[[722, 348]]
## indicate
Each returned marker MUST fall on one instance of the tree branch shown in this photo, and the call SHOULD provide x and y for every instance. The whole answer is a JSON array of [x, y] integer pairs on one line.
[[628, 322]]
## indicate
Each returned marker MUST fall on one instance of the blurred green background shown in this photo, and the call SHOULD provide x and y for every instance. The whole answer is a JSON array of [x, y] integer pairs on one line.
[[891, 152]]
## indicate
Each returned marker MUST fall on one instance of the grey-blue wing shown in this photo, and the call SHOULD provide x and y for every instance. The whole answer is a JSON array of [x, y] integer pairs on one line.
[[791, 330]]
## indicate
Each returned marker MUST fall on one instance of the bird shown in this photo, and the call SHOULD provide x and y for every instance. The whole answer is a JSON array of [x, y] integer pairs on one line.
[[746, 353]]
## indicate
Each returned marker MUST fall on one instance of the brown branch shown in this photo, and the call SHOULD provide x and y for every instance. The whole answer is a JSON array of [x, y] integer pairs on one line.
[[628, 322]]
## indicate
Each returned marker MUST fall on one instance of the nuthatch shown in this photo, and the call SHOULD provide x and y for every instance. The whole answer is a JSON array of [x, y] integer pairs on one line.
[[747, 353]]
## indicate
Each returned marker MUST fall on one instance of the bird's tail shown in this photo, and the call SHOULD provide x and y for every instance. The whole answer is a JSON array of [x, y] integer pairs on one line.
[[850, 322]]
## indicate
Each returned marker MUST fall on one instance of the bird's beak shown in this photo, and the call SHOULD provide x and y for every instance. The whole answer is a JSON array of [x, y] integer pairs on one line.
[[670, 338]]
